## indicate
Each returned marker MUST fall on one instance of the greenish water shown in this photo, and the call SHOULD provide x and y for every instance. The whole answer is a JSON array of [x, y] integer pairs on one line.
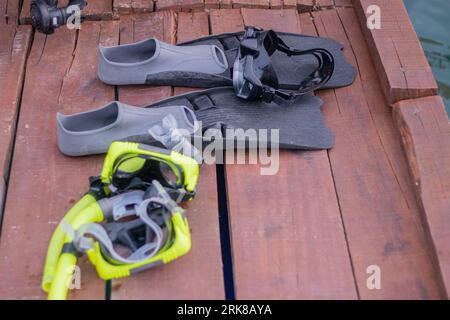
[[432, 24]]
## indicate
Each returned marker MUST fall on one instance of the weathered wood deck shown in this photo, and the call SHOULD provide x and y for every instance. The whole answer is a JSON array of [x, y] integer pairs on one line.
[[381, 196]]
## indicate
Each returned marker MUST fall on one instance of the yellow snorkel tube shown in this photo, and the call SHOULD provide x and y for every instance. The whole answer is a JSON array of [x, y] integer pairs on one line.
[[60, 261], [57, 240], [65, 265]]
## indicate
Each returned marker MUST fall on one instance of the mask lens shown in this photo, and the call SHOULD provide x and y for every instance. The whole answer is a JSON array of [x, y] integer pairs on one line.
[[169, 175], [131, 166], [138, 170], [126, 170]]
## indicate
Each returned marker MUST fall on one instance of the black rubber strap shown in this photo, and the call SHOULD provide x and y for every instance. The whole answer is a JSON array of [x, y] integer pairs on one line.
[[314, 81]]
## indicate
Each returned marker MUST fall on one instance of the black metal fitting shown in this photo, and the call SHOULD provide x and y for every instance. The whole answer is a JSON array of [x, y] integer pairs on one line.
[[46, 16]]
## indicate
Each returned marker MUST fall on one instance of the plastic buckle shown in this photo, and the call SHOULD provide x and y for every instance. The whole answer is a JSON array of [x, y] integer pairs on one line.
[[249, 46], [181, 195], [267, 94], [250, 32], [127, 204], [96, 186], [188, 195]]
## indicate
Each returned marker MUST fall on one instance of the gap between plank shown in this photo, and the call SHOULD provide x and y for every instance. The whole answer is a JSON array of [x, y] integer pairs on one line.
[[225, 236], [7, 175], [224, 224], [344, 229]]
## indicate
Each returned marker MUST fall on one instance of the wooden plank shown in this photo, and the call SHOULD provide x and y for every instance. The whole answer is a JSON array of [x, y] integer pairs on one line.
[[9, 12], [400, 62], [279, 240], [192, 25], [212, 4], [324, 4], [382, 223], [270, 19], [142, 6], [305, 5], [283, 4], [261, 4], [218, 4], [124, 7], [198, 275], [95, 10], [133, 6], [233, 18], [343, 3], [14, 45], [377, 102], [44, 184], [178, 5], [425, 133]]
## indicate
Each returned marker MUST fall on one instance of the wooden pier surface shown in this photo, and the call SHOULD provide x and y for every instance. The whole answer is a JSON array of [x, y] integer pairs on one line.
[[380, 197]]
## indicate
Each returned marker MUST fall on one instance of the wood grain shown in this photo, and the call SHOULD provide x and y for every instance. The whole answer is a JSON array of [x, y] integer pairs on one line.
[[9, 12], [218, 4], [400, 62], [425, 134], [343, 3], [270, 19], [233, 18], [381, 219], [44, 184], [261, 4], [14, 46], [283, 4], [305, 5], [198, 275], [133, 6], [284, 244], [177, 5], [324, 4]]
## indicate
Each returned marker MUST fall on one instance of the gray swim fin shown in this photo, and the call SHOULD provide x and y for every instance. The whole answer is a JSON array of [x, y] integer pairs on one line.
[[207, 62], [93, 131], [291, 70], [157, 63], [299, 122]]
